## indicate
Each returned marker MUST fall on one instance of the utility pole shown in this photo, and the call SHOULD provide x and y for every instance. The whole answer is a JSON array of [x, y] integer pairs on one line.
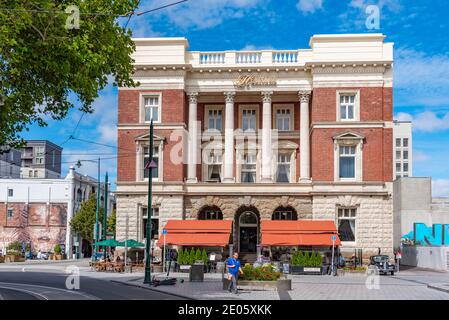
[[150, 167], [105, 212], [97, 212]]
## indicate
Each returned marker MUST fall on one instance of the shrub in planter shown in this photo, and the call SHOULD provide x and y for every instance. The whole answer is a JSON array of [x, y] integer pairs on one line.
[[204, 257], [198, 256], [263, 273]]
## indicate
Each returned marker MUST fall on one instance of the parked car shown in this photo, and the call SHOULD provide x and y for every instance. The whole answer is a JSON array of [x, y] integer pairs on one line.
[[43, 255], [382, 264]]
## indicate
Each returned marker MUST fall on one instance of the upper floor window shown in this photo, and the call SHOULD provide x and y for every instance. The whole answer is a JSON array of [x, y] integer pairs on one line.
[[10, 192], [249, 168], [347, 162], [283, 168], [249, 119], [405, 142], [284, 213], [346, 223], [39, 151], [348, 106], [398, 142], [10, 213], [151, 105], [283, 119], [146, 161], [214, 163], [154, 223], [214, 119]]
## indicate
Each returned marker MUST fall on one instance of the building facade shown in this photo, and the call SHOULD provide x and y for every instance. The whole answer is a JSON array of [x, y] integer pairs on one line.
[[261, 135], [403, 149], [41, 159], [38, 211], [10, 163]]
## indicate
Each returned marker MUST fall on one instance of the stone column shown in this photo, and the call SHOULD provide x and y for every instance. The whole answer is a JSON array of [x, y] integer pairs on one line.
[[193, 138], [228, 175], [304, 143], [266, 176]]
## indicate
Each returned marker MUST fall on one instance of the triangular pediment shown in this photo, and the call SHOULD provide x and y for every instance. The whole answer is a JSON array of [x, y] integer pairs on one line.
[[146, 137], [349, 135]]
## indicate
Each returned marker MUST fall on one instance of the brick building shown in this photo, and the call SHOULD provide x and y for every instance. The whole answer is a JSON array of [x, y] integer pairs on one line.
[[261, 135]]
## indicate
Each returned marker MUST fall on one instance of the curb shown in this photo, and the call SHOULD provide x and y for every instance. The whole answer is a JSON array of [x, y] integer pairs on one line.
[[152, 289], [437, 287]]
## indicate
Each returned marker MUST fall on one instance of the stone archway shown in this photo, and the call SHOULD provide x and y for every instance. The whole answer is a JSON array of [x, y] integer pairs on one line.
[[246, 229]]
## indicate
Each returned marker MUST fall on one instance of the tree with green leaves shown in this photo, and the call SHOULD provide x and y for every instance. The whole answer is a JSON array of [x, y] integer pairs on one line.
[[204, 256], [192, 256], [84, 220], [198, 255], [111, 222], [48, 56]]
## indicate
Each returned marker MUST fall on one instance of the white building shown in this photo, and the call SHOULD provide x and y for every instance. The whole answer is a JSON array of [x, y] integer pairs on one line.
[[39, 211], [402, 149]]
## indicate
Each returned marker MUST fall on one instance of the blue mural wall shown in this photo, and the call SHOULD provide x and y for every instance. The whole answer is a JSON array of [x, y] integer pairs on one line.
[[436, 235]]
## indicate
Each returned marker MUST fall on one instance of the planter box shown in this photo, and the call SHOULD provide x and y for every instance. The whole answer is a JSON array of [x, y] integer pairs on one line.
[[185, 268], [281, 284], [13, 258], [308, 270], [58, 257]]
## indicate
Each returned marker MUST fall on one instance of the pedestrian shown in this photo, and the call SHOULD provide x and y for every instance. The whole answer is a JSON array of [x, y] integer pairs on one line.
[[234, 269]]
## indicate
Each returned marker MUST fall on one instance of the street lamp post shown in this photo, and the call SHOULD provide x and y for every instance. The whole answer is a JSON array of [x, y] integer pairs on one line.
[[105, 212], [150, 166], [96, 231]]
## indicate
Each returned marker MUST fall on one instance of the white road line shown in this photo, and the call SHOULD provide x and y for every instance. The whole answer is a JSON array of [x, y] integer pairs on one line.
[[26, 291], [51, 289]]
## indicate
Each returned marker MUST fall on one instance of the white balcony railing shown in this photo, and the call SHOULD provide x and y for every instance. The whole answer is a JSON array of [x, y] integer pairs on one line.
[[262, 57]]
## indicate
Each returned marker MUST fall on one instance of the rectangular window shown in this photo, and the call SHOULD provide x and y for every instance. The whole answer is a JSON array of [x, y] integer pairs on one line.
[[146, 160], [405, 155], [39, 160], [398, 155], [347, 162], [405, 142], [151, 107], [35, 173], [214, 167], [283, 168], [398, 167], [30, 174], [215, 119], [249, 120], [10, 213], [346, 224], [10, 192], [249, 168], [39, 151], [283, 118], [284, 215], [405, 167], [154, 223], [347, 105], [398, 143]]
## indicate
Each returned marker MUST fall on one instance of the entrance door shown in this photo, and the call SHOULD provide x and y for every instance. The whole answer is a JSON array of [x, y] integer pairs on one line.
[[248, 232], [248, 239]]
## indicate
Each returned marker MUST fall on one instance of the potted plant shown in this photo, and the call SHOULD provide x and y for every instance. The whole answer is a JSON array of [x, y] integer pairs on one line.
[[184, 260], [205, 259], [57, 249], [307, 263], [263, 277], [14, 252]]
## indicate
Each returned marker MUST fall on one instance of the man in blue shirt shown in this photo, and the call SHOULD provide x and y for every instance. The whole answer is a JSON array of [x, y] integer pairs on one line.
[[233, 264]]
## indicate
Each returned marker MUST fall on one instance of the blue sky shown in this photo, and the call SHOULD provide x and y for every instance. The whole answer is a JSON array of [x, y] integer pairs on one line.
[[419, 29]]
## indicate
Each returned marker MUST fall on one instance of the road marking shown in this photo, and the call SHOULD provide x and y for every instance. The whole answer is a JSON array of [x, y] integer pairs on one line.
[[51, 290], [35, 294]]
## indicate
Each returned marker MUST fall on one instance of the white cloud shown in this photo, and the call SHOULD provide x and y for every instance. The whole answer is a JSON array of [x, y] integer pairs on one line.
[[419, 156], [201, 14], [440, 188], [427, 121], [309, 6], [421, 79]]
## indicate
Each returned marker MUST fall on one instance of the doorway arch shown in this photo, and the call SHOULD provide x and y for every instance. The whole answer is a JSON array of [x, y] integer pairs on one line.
[[247, 229]]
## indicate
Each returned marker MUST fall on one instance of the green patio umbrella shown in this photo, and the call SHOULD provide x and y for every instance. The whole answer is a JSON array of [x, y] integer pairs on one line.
[[131, 244], [108, 243]]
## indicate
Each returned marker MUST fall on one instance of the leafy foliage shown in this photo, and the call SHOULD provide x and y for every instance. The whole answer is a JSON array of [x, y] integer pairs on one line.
[[306, 259], [84, 220], [111, 222], [204, 257], [262, 273], [57, 249], [43, 63], [192, 256]]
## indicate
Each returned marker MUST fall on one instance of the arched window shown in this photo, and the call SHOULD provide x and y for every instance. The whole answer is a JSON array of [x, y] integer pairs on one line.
[[284, 213], [248, 218], [210, 213], [79, 195]]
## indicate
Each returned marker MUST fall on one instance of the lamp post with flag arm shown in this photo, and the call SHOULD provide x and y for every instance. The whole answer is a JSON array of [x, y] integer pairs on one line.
[[149, 166]]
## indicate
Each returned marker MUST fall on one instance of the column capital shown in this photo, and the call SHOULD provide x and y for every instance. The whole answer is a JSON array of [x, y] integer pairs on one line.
[[229, 96], [266, 96], [304, 96], [193, 97]]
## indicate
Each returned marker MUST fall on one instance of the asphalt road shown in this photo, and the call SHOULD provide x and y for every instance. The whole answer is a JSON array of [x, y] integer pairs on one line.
[[16, 285]]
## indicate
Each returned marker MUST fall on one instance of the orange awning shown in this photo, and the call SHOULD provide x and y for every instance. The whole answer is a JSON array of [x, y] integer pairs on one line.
[[298, 233], [205, 233]]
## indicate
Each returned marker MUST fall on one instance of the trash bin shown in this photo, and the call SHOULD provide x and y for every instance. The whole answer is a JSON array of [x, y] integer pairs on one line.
[[197, 273]]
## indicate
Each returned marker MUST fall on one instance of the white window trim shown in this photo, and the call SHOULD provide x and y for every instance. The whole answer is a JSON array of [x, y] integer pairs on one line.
[[141, 217], [207, 108], [248, 107], [140, 161], [142, 97], [205, 165], [358, 160], [239, 163], [348, 243], [292, 154], [290, 107], [356, 93]]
